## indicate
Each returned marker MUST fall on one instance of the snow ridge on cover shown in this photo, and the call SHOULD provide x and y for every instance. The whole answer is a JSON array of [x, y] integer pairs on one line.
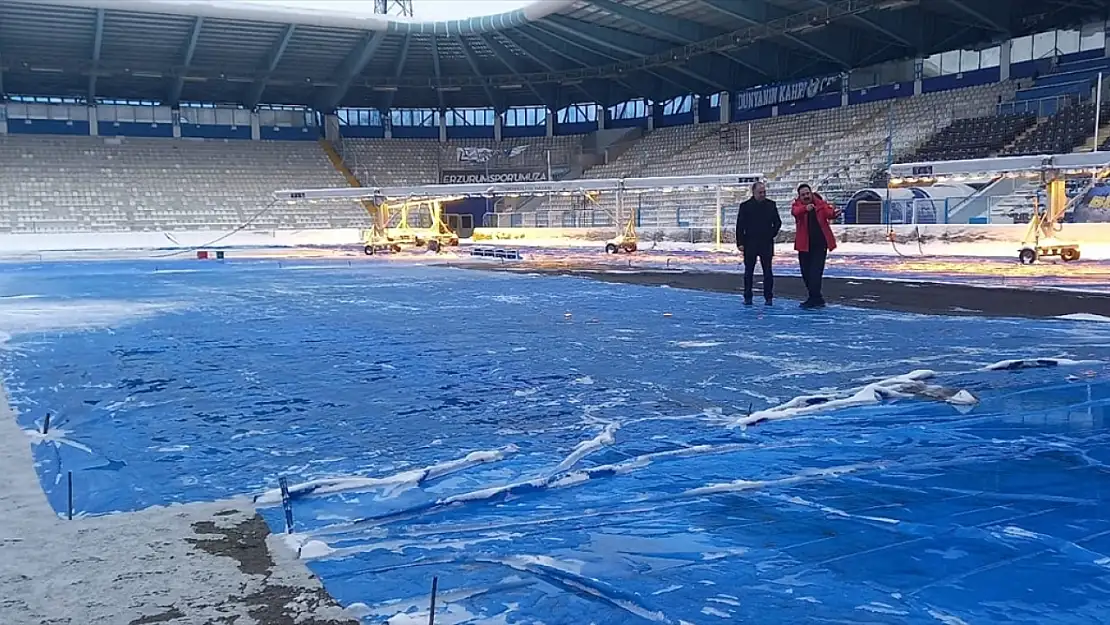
[[393, 484], [1037, 363], [912, 384]]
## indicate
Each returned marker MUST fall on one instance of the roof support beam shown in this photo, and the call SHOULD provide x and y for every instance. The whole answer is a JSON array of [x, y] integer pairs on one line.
[[401, 62], [675, 29], [760, 13], [98, 41], [190, 49], [258, 87], [472, 60], [583, 55], [542, 56], [630, 45], [994, 17], [438, 72], [351, 67], [888, 30], [669, 27], [509, 60]]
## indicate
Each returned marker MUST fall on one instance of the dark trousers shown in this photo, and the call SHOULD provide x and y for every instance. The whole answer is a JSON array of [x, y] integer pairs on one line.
[[762, 253], [812, 264]]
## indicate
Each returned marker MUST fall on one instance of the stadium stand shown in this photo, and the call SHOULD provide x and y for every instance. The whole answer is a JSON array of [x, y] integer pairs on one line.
[[977, 137], [837, 150], [400, 162], [59, 184], [1064, 131], [659, 146], [406, 83]]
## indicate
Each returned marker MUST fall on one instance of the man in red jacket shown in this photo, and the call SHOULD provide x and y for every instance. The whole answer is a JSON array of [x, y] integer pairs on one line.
[[813, 240]]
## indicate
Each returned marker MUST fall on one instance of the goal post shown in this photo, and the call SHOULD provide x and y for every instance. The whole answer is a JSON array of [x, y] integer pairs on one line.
[[702, 197]]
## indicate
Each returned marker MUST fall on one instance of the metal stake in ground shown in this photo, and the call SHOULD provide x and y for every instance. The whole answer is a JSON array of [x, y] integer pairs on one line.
[[287, 504], [69, 507], [46, 425], [432, 608]]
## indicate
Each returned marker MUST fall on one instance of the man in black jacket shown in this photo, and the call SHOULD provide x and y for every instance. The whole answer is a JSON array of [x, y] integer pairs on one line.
[[757, 225]]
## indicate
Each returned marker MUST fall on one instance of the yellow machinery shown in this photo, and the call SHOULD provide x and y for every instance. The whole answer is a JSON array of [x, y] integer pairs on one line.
[[626, 240], [1040, 238], [1052, 169], [392, 230]]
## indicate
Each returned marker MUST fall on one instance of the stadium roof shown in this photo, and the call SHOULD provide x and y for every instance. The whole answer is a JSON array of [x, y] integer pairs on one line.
[[554, 52]]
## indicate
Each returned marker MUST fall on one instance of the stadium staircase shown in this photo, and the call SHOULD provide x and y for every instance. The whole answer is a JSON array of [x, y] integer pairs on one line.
[[341, 167], [1018, 139], [1102, 137]]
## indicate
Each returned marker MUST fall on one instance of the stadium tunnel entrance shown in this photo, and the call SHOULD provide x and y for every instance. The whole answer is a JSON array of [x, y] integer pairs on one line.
[[465, 214]]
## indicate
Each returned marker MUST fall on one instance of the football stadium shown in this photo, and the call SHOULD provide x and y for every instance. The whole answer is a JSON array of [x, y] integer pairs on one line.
[[554, 312]]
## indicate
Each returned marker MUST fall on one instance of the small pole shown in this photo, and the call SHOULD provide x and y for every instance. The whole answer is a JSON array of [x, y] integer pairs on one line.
[[69, 481], [749, 146], [287, 504], [46, 425], [432, 609], [717, 224], [1098, 107]]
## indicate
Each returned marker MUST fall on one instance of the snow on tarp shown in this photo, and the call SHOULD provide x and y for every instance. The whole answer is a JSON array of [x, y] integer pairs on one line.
[[392, 484], [608, 486], [1037, 363], [911, 384]]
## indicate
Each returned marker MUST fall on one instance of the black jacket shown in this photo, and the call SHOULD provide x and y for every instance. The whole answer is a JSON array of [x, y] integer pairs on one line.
[[757, 223]]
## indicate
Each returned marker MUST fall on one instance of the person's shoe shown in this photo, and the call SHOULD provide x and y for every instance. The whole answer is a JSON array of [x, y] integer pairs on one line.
[[819, 303], [769, 302], [747, 301], [808, 305]]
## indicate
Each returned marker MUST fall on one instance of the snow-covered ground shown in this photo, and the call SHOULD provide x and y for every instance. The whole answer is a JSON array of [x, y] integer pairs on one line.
[[196, 563], [970, 241]]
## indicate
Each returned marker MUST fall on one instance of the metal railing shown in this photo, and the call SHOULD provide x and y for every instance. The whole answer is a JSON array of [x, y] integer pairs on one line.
[[1042, 107]]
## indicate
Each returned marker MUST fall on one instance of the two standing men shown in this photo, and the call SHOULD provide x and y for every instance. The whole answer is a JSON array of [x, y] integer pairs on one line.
[[757, 225]]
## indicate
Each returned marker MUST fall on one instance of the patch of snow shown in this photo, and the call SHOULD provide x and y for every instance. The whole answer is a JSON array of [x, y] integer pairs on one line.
[[1085, 317], [123, 567], [901, 386], [1018, 532], [710, 611], [946, 618], [1037, 363], [393, 484], [697, 344]]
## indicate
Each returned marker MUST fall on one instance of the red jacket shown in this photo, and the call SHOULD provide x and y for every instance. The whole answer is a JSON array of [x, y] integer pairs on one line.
[[823, 212]]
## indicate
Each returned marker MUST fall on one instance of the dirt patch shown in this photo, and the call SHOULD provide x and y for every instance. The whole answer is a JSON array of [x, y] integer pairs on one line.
[[244, 542], [927, 298], [273, 603], [166, 617]]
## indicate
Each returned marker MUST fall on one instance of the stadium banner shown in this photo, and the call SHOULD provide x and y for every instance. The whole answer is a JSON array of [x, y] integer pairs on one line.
[[484, 155], [789, 92], [1095, 208], [492, 176]]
